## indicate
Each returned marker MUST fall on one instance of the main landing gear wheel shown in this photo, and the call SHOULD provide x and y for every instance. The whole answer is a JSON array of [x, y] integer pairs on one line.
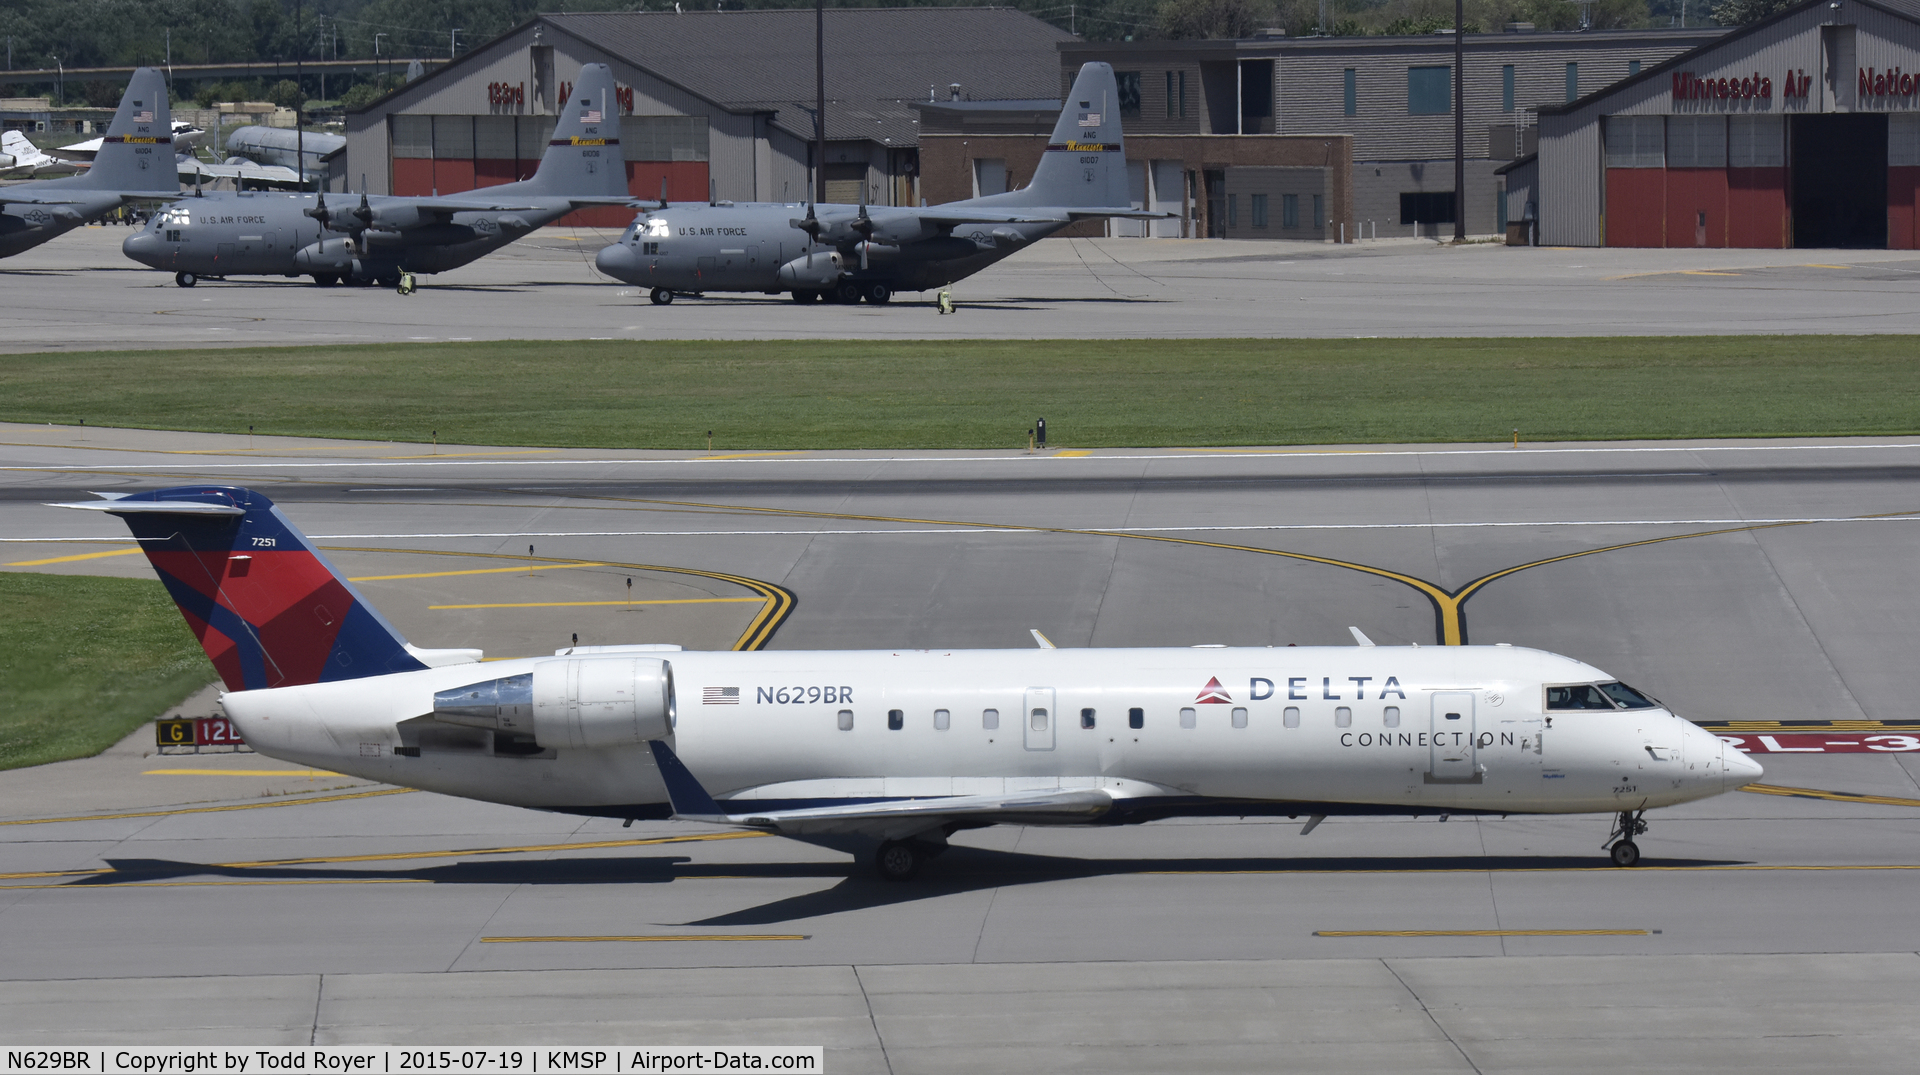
[[185, 279], [805, 297], [1622, 850], [661, 296], [898, 860], [325, 279], [878, 294], [390, 280], [847, 292]]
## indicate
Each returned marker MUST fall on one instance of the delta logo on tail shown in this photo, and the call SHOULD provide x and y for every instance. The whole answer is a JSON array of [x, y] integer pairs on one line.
[[1214, 693]]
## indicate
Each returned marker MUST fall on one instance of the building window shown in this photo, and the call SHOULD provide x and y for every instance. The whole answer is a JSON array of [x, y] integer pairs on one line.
[[1258, 205], [1573, 81], [1183, 95], [1233, 210], [1129, 82], [1289, 210], [1429, 91], [1351, 90], [1633, 67], [1319, 212], [1506, 88], [1171, 99], [1635, 141], [1427, 207], [1136, 718]]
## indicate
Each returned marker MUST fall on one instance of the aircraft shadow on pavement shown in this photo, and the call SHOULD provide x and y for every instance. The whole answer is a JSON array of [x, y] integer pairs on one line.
[[958, 871]]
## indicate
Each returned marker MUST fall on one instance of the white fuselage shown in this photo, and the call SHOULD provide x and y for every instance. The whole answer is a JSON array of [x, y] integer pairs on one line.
[[1293, 730]]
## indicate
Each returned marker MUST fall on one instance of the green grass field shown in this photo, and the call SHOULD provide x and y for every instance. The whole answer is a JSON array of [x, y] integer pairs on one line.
[[84, 661], [985, 394]]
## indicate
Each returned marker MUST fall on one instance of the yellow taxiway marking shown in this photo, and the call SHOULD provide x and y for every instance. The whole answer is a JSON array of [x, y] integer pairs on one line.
[[449, 574], [212, 809], [224, 884], [655, 938], [747, 455], [72, 559], [1072, 455], [584, 604], [1811, 265], [1481, 933], [462, 455], [1831, 796], [1706, 272], [395, 856], [242, 772]]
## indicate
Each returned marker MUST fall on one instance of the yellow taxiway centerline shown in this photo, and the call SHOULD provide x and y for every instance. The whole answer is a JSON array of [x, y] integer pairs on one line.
[[450, 574], [587, 604], [72, 559], [245, 772], [212, 809], [1830, 796], [1481, 933]]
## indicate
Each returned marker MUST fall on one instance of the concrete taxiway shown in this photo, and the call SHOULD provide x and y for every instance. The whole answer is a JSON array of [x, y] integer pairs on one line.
[[80, 293], [1735, 580]]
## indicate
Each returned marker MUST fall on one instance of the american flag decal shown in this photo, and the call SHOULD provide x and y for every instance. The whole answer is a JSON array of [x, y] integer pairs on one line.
[[592, 117], [1089, 119], [143, 117], [719, 696]]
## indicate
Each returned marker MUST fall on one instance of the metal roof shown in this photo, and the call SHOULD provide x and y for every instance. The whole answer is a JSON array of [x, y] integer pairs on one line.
[[877, 59]]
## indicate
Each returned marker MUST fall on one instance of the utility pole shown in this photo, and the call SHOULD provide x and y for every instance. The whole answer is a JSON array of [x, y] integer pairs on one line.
[[299, 103], [1459, 121], [381, 63], [820, 95], [453, 42]]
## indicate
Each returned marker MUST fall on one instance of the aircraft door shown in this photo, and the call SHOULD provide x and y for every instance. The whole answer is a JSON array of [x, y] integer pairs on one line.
[[1454, 756], [1040, 718]]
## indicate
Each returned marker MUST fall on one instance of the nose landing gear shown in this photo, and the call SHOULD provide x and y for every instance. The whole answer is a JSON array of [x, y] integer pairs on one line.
[[1620, 846]]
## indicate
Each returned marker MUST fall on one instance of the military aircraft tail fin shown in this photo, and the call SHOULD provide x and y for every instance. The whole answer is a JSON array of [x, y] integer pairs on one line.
[[583, 158], [137, 152], [1085, 164], [269, 610]]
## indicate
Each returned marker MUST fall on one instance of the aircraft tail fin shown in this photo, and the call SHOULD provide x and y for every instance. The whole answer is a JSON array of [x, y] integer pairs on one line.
[[269, 610], [1085, 163], [583, 157], [137, 152], [14, 144]]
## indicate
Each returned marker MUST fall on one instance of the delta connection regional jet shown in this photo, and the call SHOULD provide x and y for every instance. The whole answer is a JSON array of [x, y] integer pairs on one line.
[[235, 234], [845, 253], [134, 164], [889, 753]]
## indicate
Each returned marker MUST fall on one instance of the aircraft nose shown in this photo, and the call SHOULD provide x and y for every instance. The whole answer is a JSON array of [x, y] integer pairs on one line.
[[616, 261], [1740, 769], [141, 247]]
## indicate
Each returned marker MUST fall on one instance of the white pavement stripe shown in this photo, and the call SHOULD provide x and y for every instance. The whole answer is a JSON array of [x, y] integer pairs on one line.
[[1045, 529], [1187, 454]]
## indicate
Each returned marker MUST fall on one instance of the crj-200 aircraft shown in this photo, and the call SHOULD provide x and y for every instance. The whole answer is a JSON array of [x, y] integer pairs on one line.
[[233, 234], [889, 751], [134, 163], [845, 253]]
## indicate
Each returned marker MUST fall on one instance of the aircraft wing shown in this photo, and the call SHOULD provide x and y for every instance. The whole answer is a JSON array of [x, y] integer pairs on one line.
[[987, 216], [893, 819], [476, 203], [27, 197], [1123, 214]]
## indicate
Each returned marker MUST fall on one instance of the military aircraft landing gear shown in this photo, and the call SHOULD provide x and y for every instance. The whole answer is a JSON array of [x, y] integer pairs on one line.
[[390, 280], [846, 292], [1622, 850], [325, 279], [185, 279], [661, 296], [804, 297], [878, 293]]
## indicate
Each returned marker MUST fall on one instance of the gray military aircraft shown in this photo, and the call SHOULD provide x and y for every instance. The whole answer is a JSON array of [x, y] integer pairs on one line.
[[240, 233], [845, 253], [134, 163]]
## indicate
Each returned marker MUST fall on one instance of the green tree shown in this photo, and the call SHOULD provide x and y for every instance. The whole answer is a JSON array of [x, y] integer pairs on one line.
[[1748, 12], [286, 93], [1211, 19]]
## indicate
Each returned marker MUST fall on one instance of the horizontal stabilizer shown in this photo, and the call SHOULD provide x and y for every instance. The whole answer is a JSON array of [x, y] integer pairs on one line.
[[156, 507]]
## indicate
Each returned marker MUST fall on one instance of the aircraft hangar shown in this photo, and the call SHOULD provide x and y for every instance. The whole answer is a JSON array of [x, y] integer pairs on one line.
[[712, 103], [1800, 131]]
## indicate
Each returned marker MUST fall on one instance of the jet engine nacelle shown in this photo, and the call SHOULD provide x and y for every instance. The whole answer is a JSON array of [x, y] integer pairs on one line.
[[813, 271], [327, 256], [571, 703]]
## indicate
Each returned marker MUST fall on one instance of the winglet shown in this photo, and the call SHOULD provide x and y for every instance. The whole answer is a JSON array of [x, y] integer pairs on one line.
[[1360, 637], [690, 801], [1043, 641]]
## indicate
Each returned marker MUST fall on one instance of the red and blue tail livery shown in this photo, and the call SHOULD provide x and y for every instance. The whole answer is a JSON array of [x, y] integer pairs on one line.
[[268, 609]]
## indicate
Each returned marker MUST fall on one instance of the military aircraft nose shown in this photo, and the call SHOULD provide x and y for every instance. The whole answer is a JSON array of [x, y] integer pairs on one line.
[[142, 247], [616, 261]]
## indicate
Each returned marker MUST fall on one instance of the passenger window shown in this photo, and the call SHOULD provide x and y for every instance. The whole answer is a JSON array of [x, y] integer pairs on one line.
[[990, 719], [1291, 718], [896, 720], [1239, 717], [1188, 718], [1038, 720], [1626, 697], [1390, 717], [1343, 717], [1577, 696], [1086, 718], [941, 718], [1136, 718], [846, 720]]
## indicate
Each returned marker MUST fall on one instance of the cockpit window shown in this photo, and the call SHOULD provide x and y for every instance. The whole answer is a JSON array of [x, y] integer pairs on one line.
[[1577, 696], [1627, 696], [653, 228]]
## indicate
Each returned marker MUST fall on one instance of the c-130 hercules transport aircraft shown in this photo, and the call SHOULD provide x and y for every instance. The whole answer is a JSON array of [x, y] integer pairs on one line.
[[845, 253], [890, 752], [235, 234]]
